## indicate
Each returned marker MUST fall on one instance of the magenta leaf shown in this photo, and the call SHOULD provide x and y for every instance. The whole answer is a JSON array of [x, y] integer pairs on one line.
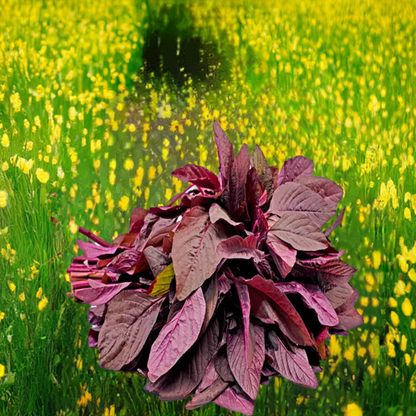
[[283, 254], [177, 336], [286, 316], [237, 402], [313, 298], [294, 168], [194, 251], [217, 213], [100, 294], [225, 153], [198, 175], [333, 272], [327, 189], [208, 395], [237, 205], [137, 219], [211, 299], [237, 247], [295, 197], [293, 365], [348, 316], [185, 376], [299, 231], [130, 317], [210, 376], [335, 224], [264, 173], [247, 376], [339, 295], [244, 297]]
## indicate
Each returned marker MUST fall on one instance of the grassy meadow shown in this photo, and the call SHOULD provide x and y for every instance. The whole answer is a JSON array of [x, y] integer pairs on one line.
[[91, 126]]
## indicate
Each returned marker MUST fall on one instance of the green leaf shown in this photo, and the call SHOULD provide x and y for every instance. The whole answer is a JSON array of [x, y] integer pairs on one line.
[[161, 284]]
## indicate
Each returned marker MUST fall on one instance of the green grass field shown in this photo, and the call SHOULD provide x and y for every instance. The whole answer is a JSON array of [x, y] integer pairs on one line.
[[88, 132]]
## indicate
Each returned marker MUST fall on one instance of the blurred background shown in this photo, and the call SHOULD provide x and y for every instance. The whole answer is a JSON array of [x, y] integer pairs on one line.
[[100, 101]]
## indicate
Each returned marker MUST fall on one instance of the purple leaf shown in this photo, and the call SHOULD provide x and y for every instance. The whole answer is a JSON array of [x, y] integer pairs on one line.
[[183, 379], [247, 376], [327, 189], [197, 175], [295, 197], [339, 295], [294, 365], [225, 153], [294, 168], [243, 295], [222, 367], [210, 376], [93, 251], [124, 262], [137, 219], [331, 273], [208, 395], [100, 294], [211, 298], [335, 224], [288, 319], [177, 336], [252, 195], [264, 173], [348, 316], [194, 252], [93, 338], [217, 213], [237, 402], [130, 317], [300, 232], [314, 299], [156, 259], [237, 200], [283, 255], [96, 314], [236, 247], [224, 284]]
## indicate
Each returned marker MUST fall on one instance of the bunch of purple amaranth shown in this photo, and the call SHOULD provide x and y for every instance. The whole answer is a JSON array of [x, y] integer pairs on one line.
[[232, 285]]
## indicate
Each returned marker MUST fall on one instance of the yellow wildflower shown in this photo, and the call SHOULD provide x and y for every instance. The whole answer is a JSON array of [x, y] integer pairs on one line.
[[5, 141], [349, 354], [3, 199], [392, 302], [334, 347], [412, 275], [407, 307], [2, 370], [42, 303], [73, 227], [128, 164], [1, 316], [39, 293], [400, 288], [394, 318], [353, 410], [407, 359], [361, 352], [22, 297], [124, 203], [4, 166], [12, 286], [403, 343], [376, 259], [42, 175]]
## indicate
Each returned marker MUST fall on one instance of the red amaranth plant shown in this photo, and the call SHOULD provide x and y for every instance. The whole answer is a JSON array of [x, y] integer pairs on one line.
[[233, 285]]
